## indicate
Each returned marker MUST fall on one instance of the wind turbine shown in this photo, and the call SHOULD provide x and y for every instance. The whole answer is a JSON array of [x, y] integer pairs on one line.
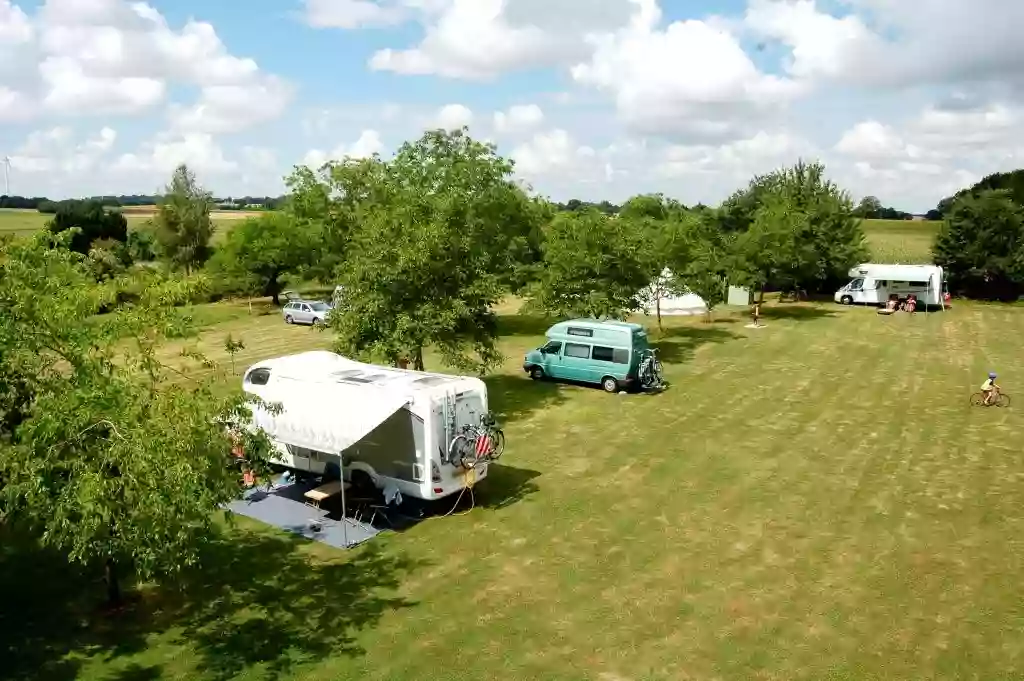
[[7, 175]]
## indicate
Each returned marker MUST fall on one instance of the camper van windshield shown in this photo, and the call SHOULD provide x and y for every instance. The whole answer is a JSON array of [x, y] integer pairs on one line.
[[856, 284]]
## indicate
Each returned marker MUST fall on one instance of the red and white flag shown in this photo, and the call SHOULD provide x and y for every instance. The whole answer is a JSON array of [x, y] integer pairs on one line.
[[483, 446]]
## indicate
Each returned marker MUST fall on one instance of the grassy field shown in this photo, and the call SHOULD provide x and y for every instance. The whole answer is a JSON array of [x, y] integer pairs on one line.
[[810, 500], [901, 241], [28, 221]]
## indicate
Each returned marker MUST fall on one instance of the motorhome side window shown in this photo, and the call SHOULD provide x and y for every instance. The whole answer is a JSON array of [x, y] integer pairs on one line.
[[918, 284], [585, 333], [577, 351]]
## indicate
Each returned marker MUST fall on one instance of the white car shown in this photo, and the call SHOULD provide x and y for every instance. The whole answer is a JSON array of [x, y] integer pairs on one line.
[[306, 312]]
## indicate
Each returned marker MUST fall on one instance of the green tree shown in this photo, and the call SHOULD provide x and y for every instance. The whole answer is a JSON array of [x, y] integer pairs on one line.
[[258, 254], [653, 206], [869, 207], [981, 245], [594, 265], [435, 237], [93, 221], [142, 243], [795, 228], [183, 224], [708, 263], [99, 456]]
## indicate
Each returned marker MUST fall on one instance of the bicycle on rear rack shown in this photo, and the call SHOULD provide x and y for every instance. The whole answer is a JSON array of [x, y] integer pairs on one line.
[[650, 370], [476, 443]]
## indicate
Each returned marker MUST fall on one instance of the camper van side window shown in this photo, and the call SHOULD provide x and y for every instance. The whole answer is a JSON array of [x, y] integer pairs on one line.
[[258, 376], [585, 333], [603, 354], [577, 351]]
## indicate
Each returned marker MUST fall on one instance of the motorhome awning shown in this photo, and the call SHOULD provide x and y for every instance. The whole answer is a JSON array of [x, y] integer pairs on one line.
[[327, 417]]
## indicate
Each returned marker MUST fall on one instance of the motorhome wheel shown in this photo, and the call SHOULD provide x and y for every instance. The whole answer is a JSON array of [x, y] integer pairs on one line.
[[846, 300], [363, 483]]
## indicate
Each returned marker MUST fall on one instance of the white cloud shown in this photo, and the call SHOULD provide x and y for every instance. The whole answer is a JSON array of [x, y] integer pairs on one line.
[[736, 161], [368, 144], [159, 158], [908, 43], [692, 78], [78, 57], [352, 13], [551, 152], [481, 39], [57, 151], [453, 116], [518, 118]]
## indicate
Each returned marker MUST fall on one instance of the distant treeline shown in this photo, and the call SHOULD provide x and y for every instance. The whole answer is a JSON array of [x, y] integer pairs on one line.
[[46, 205], [1012, 182]]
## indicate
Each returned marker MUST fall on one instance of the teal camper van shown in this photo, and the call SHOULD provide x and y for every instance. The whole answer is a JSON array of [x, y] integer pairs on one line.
[[607, 353]]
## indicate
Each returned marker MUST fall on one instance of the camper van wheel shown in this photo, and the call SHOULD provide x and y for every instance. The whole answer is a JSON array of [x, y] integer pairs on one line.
[[536, 373], [610, 385], [846, 300]]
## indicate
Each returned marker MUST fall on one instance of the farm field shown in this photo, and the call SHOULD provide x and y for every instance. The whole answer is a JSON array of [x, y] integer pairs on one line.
[[813, 499], [901, 241], [27, 221]]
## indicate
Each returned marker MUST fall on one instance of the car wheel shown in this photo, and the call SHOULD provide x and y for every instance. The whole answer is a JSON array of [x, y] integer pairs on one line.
[[846, 300], [536, 373], [610, 385], [288, 319]]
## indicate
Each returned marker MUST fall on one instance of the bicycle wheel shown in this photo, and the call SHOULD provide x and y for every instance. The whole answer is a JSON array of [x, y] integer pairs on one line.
[[977, 400], [457, 449], [1003, 401], [468, 458], [497, 443]]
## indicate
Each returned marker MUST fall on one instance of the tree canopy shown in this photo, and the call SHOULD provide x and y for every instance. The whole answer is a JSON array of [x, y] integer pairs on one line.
[[94, 222], [100, 457], [183, 225], [258, 254], [795, 228], [594, 266], [424, 245], [981, 245]]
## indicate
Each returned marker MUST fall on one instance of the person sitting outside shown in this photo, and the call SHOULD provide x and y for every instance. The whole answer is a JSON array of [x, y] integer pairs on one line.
[[990, 390], [911, 304]]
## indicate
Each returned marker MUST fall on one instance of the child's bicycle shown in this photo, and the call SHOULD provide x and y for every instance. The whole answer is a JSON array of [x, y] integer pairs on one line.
[[1001, 400]]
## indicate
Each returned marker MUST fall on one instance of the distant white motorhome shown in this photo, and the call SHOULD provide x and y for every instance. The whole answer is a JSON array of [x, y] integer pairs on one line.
[[391, 425], [873, 284]]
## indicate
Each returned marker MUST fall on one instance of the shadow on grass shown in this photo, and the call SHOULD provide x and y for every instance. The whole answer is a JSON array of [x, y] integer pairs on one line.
[[796, 311], [678, 344], [256, 605], [524, 324], [515, 397], [505, 485]]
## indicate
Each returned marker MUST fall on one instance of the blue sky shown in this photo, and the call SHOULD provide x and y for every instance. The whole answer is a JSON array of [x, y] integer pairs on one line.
[[592, 98]]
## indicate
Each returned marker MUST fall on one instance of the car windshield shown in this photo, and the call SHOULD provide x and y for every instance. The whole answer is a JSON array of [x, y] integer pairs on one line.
[[320, 307]]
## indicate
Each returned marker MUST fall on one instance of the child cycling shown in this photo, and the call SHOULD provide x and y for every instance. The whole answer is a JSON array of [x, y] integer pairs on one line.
[[989, 389]]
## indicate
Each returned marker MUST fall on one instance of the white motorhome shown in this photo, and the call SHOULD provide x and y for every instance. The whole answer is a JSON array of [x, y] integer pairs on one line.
[[873, 284], [390, 425]]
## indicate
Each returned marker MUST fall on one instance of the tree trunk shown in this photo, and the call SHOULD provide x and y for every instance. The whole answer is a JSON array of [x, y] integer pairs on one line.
[[274, 289], [657, 308], [418, 360], [113, 585]]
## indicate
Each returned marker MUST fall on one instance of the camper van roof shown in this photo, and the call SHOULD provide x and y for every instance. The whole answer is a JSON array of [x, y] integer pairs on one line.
[[322, 367], [597, 322], [897, 272]]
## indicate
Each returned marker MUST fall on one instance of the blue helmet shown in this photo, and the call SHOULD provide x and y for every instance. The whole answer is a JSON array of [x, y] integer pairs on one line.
[[992, 375]]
